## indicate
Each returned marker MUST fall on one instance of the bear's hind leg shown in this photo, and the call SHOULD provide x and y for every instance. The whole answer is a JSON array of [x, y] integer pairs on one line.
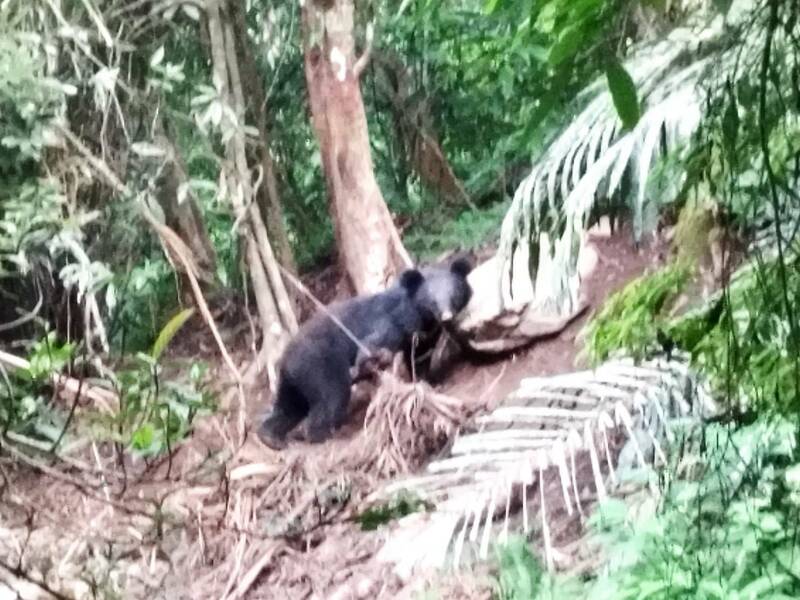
[[329, 410], [288, 411]]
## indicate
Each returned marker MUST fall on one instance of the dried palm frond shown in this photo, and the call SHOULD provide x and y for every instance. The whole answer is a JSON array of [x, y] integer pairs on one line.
[[404, 424], [557, 443], [594, 165]]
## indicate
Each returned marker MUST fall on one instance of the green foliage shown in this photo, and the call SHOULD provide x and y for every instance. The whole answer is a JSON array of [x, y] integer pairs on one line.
[[155, 413], [47, 357], [744, 160], [169, 331], [745, 343], [439, 233], [520, 574], [631, 319], [30, 217], [28, 101], [147, 295], [623, 92], [742, 341], [23, 397], [401, 505], [728, 531]]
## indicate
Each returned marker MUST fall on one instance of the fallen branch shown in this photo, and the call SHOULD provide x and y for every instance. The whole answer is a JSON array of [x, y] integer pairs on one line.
[[26, 586], [84, 487]]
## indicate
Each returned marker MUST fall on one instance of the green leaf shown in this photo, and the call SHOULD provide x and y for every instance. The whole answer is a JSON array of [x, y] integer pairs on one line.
[[546, 21], [730, 124], [584, 9], [623, 93], [566, 45], [722, 6], [142, 438], [761, 587], [490, 6], [169, 330]]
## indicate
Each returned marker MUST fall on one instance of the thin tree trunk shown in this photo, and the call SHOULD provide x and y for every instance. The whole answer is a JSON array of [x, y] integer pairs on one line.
[[183, 214], [370, 249], [413, 126], [268, 194], [274, 307]]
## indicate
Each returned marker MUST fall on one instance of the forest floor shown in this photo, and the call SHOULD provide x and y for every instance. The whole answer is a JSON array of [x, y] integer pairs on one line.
[[226, 517]]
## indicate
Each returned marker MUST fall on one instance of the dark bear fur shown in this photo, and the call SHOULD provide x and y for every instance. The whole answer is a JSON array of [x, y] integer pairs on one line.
[[315, 370]]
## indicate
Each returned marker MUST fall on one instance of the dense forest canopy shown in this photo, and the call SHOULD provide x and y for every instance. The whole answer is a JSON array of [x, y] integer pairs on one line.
[[183, 184]]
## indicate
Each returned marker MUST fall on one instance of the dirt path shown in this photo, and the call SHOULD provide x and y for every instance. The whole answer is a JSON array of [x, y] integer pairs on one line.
[[344, 559], [618, 263]]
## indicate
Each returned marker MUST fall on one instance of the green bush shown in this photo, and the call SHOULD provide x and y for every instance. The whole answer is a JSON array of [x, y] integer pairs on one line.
[[630, 320], [727, 531]]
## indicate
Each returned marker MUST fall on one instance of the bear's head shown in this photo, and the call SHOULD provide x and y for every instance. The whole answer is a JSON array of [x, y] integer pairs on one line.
[[439, 293]]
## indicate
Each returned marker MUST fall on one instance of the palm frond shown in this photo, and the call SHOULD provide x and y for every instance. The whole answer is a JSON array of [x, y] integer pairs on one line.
[[556, 445], [594, 165]]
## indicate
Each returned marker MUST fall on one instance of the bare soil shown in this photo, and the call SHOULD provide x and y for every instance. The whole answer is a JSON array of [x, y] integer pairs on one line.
[[226, 501], [618, 263]]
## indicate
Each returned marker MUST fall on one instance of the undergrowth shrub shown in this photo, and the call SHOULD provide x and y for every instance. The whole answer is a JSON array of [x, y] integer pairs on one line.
[[439, 232], [726, 527], [156, 412], [743, 340], [24, 405], [630, 320]]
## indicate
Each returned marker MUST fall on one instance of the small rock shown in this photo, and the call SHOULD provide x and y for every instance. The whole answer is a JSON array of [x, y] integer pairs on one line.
[[344, 592], [364, 588]]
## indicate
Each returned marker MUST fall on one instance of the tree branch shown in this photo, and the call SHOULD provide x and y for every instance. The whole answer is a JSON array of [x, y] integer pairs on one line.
[[363, 60]]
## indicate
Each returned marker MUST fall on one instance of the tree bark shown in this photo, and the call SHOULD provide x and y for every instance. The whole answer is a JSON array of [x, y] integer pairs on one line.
[[370, 249]]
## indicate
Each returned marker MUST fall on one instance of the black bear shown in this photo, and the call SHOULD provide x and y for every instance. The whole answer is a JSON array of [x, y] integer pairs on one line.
[[315, 370]]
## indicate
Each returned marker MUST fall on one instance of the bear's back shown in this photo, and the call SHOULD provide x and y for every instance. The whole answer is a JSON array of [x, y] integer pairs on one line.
[[323, 340]]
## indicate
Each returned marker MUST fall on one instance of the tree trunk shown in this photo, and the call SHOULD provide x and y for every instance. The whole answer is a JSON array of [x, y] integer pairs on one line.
[[274, 307], [413, 127], [183, 215], [268, 194], [370, 249]]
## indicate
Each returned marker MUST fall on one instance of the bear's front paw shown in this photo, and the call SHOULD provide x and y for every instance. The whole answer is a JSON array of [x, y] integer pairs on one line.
[[271, 440]]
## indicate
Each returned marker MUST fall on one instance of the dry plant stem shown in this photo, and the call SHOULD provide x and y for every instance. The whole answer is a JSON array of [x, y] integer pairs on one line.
[[82, 486], [168, 237], [247, 580]]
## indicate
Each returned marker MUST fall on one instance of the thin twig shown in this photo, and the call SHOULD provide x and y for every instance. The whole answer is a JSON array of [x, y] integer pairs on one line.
[[304, 290], [18, 573]]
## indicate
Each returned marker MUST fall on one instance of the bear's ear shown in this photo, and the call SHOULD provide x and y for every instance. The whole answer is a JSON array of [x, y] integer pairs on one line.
[[410, 280], [461, 266]]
